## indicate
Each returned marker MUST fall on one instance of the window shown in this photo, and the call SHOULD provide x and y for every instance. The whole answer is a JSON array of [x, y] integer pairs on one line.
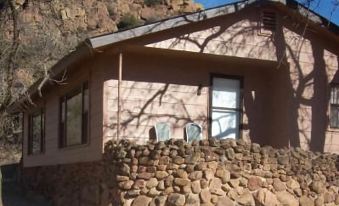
[[74, 108], [36, 133], [225, 108], [334, 113]]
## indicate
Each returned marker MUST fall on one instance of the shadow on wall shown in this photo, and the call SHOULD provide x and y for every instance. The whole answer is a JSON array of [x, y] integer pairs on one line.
[[306, 114], [293, 117], [147, 111]]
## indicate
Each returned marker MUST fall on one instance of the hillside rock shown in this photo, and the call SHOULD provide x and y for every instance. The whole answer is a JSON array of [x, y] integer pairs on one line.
[[48, 30]]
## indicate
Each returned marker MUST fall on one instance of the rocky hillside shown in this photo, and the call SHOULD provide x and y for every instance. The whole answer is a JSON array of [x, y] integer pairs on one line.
[[46, 30], [36, 33]]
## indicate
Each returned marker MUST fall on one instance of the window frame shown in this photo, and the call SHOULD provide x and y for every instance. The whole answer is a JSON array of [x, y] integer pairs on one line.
[[41, 113], [331, 105], [62, 136], [241, 97]]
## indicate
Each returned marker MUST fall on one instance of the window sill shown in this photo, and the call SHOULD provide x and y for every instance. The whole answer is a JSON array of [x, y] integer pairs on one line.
[[72, 147], [335, 130], [36, 155]]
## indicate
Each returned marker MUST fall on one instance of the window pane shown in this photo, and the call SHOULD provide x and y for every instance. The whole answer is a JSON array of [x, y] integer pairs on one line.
[[62, 122], [193, 132], [162, 131], [85, 114], [63, 109], [36, 134], [225, 124], [334, 117], [86, 98], [226, 93], [74, 120], [335, 95]]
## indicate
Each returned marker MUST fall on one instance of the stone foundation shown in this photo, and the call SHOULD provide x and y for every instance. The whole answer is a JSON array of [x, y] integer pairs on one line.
[[208, 172], [74, 184]]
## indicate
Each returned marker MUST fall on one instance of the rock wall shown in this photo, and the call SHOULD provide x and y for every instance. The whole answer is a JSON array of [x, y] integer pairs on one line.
[[209, 172]]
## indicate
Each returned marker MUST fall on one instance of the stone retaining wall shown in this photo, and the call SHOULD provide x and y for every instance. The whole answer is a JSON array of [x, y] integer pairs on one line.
[[208, 172]]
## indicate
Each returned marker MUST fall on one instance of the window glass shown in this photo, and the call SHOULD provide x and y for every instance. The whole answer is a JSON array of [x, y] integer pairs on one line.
[[225, 111], [225, 124], [335, 95], [226, 93], [334, 108], [74, 120], [85, 119], [334, 120], [74, 117], [36, 133]]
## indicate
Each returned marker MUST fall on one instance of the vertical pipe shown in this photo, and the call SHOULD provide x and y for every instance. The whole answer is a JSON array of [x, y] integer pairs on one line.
[[119, 95]]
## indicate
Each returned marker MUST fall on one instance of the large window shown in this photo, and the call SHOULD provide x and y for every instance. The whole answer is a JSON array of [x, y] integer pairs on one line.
[[334, 113], [74, 111], [36, 133], [225, 108]]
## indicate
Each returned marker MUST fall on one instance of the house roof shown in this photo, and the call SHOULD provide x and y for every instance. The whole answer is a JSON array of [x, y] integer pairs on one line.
[[87, 47], [108, 39]]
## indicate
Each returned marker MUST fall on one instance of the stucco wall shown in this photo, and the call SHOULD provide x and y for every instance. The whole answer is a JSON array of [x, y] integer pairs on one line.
[[307, 65], [53, 154], [165, 88]]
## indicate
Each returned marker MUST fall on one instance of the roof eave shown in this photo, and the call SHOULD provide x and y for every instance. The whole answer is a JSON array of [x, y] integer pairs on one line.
[[104, 40], [81, 52]]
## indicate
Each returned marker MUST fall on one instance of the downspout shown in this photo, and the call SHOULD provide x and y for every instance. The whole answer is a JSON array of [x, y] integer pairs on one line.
[[119, 95]]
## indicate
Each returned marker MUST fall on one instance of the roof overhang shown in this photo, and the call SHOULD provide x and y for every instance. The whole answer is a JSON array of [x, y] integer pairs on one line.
[[83, 51], [171, 23]]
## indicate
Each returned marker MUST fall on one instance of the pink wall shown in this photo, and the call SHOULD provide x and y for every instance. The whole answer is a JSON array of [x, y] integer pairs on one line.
[[286, 85], [299, 86], [53, 154], [164, 88]]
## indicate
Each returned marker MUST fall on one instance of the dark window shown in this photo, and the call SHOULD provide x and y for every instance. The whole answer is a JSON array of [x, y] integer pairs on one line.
[[74, 108], [36, 133], [334, 113]]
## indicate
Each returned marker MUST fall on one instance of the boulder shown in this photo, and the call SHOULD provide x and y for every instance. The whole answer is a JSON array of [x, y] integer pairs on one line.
[[192, 200], [318, 187], [254, 183], [196, 188], [264, 197], [306, 201], [141, 201], [153, 182], [205, 196], [278, 185], [182, 182], [246, 199], [224, 201], [175, 199], [286, 198]]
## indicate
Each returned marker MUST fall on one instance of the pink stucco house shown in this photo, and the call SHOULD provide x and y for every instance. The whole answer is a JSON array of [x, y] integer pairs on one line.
[[264, 71]]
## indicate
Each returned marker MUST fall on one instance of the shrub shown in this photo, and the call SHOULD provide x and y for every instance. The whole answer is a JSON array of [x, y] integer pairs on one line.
[[128, 21], [152, 2], [153, 19]]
